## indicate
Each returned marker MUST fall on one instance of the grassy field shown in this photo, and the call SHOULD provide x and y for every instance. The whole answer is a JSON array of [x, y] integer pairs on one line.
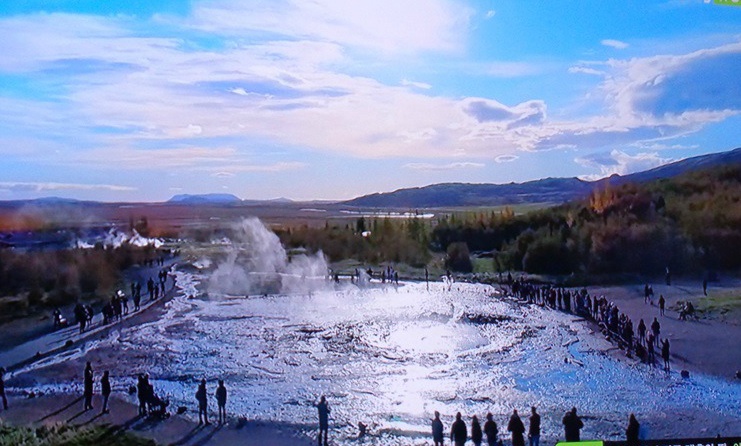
[[65, 435]]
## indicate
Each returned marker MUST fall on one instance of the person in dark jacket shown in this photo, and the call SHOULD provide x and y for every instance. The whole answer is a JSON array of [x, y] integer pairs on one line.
[[517, 428], [665, 353], [534, 432], [458, 431], [105, 390], [476, 434], [572, 425], [491, 430], [88, 386], [221, 401], [631, 433], [437, 430], [324, 410], [202, 398]]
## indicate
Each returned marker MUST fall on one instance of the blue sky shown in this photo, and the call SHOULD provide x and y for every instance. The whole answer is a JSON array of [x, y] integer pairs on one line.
[[138, 100]]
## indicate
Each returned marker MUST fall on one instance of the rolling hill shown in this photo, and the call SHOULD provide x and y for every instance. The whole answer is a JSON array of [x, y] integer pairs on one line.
[[548, 190]]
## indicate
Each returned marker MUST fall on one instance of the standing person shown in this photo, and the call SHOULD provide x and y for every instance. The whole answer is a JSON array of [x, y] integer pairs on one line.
[[534, 432], [641, 331], [324, 410], [665, 353], [221, 401], [662, 303], [705, 286], [88, 386], [631, 433], [202, 398], [656, 329], [517, 427], [458, 431], [476, 434], [491, 430], [141, 390], [437, 430], [2, 388], [572, 425], [105, 390], [427, 278]]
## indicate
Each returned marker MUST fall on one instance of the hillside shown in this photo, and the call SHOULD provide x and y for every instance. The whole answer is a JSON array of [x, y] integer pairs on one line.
[[549, 190]]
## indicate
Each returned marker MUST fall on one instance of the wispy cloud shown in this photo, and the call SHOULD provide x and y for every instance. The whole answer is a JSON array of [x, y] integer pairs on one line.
[[506, 158], [19, 186], [617, 44], [442, 167], [382, 25], [420, 85], [619, 162]]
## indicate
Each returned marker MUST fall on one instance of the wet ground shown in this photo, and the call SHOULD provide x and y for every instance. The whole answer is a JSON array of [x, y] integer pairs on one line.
[[390, 356]]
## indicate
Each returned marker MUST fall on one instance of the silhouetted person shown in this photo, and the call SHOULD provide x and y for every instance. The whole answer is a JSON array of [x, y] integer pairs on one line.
[[80, 316], [705, 286], [437, 430], [490, 429], [2, 388], [665, 353], [631, 433], [458, 431], [534, 431], [662, 303], [141, 393], [641, 331], [221, 401], [202, 398], [150, 288], [476, 434], [517, 428], [324, 410], [656, 329], [105, 390], [427, 278], [88, 386], [572, 425]]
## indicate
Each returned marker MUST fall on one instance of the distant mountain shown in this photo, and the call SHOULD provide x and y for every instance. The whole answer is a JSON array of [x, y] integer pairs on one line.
[[205, 199], [549, 190], [676, 168]]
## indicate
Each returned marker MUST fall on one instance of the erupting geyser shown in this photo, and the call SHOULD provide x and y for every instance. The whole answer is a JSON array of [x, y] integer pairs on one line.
[[257, 263]]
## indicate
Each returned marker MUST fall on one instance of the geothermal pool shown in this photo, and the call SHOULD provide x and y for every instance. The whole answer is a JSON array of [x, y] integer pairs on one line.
[[390, 356]]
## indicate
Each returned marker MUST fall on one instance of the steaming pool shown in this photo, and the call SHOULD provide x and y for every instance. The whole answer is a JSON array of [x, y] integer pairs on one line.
[[389, 356]]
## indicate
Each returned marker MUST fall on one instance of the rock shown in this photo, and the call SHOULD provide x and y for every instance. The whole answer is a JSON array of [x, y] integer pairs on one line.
[[68, 343], [132, 390], [181, 410], [685, 374]]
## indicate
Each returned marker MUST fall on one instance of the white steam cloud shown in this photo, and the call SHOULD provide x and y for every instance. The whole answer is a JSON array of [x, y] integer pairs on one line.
[[257, 263]]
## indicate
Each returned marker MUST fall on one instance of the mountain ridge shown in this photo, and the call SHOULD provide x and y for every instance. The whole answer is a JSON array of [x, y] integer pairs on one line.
[[546, 190]]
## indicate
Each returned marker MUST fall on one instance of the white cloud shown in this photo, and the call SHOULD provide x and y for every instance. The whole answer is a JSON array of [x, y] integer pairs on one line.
[[614, 44], [19, 186], [420, 85], [586, 70], [506, 158], [620, 163], [291, 92], [388, 26], [442, 167], [490, 13]]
